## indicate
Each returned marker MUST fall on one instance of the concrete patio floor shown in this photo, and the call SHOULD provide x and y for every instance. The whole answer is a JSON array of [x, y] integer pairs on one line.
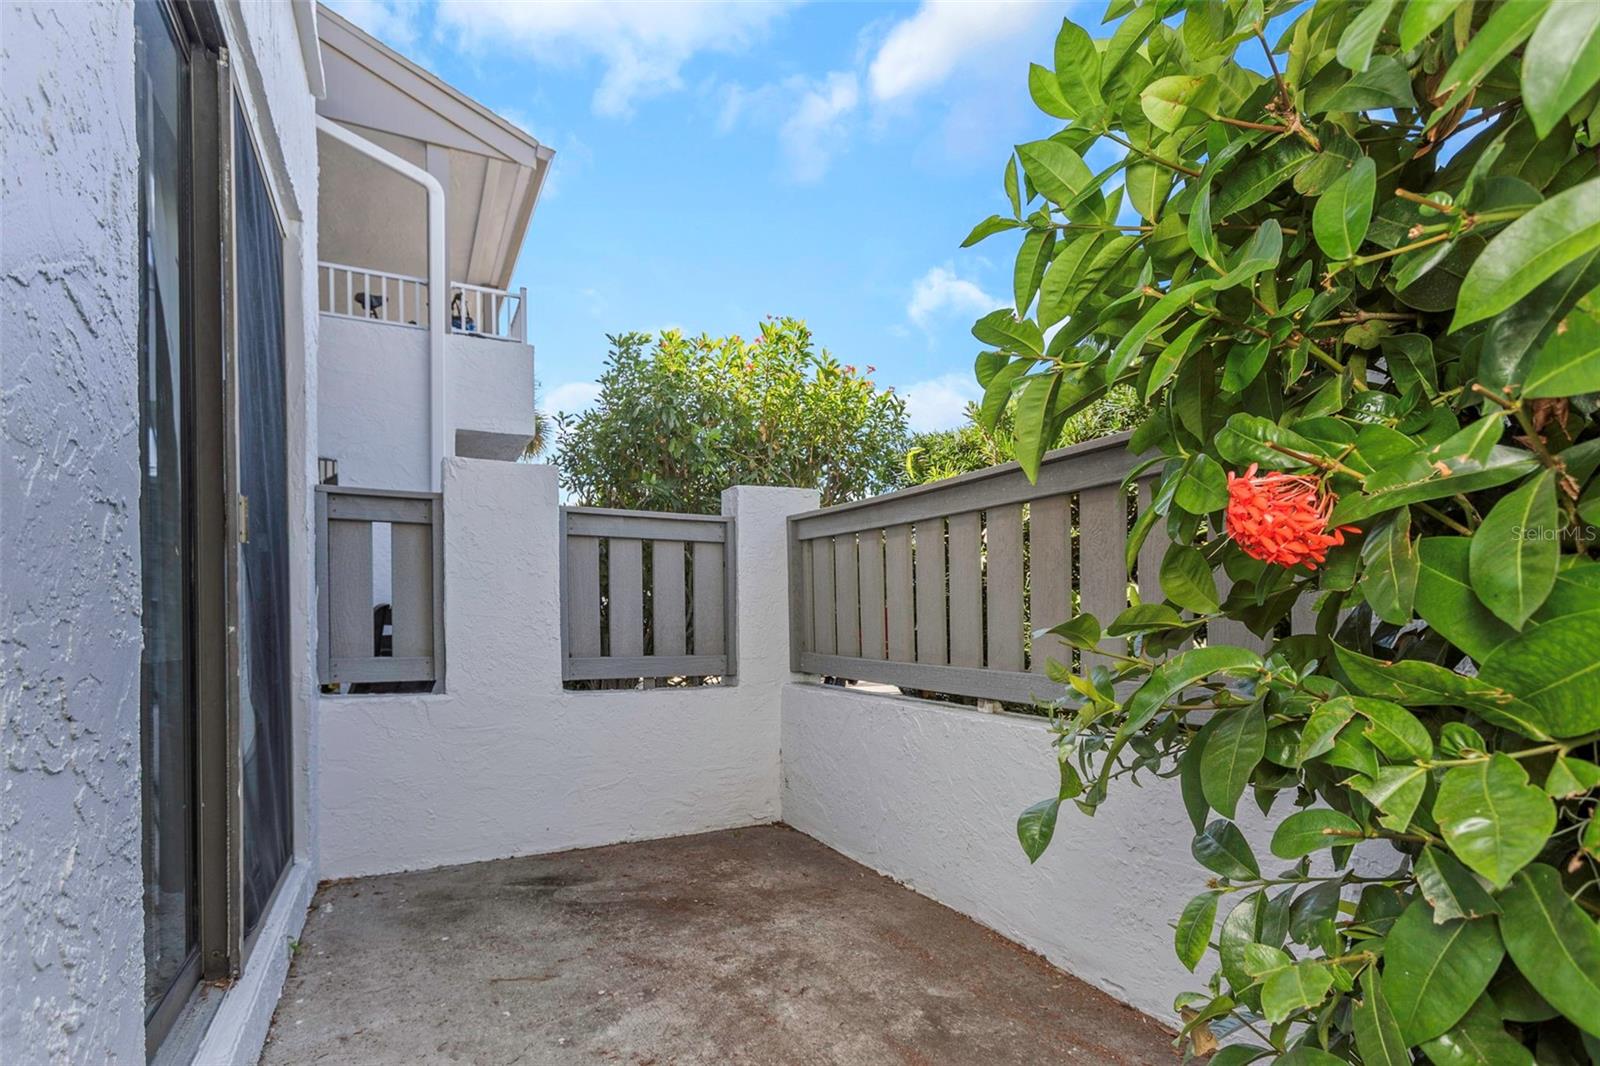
[[748, 946]]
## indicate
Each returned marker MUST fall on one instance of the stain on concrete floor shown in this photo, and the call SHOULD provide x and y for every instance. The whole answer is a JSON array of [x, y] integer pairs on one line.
[[752, 946]]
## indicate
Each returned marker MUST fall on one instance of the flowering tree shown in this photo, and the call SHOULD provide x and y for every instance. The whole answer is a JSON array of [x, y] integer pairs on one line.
[[1349, 253]]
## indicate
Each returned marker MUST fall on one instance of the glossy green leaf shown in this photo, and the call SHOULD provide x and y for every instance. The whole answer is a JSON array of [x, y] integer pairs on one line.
[[1193, 935], [1497, 38], [1450, 888], [1232, 752], [1554, 943], [1181, 671], [1202, 486], [1223, 850], [1045, 88], [1078, 66], [1259, 174], [1385, 83], [1166, 364], [1004, 330], [1167, 101], [1036, 825], [1299, 987], [1057, 288], [1553, 667], [1433, 973], [1377, 1032], [1056, 170], [1307, 831], [1515, 552], [1478, 1039], [1261, 252], [1530, 250], [1355, 45], [1342, 214], [1032, 418], [1568, 363], [1148, 186], [1396, 791], [1422, 17], [1390, 569], [1561, 62], [1320, 730], [1394, 730], [1413, 683], [989, 227], [1032, 258], [1493, 819], [1571, 776], [1445, 599], [1170, 303], [1187, 580]]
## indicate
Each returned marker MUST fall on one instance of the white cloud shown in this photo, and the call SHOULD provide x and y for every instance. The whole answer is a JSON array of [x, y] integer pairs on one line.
[[815, 128], [941, 292], [395, 22], [941, 402], [944, 35], [571, 398], [642, 44]]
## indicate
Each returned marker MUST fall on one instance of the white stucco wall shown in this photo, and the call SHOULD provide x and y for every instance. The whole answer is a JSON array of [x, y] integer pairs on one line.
[[929, 794], [71, 945], [373, 410], [489, 385], [71, 942], [506, 762]]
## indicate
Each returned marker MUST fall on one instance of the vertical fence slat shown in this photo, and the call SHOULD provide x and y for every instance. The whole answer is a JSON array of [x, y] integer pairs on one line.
[[625, 596], [870, 550], [411, 585], [1102, 547], [1153, 548], [805, 618], [1049, 576], [822, 595], [898, 586], [933, 645], [583, 597], [966, 589], [350, 589], [667, 604], [1003, 601], [847, 596], [710, 600]]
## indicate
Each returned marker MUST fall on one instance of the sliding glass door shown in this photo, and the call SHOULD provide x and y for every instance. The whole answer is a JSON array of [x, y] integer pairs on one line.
[[215, 683], [263, 564], [167, 727]]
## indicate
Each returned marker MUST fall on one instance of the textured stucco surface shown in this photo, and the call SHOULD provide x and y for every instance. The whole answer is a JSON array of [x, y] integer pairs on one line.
[[929, 794], [506, 762], [71, 943]]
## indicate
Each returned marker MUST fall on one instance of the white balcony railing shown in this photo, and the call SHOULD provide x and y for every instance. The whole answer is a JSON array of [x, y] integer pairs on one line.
[[356, 292], [485, 312], [402, 300]]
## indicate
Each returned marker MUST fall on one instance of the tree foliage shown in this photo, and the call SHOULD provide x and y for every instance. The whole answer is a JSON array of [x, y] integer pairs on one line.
[[943, 453], [1358, 242], [680, 418]]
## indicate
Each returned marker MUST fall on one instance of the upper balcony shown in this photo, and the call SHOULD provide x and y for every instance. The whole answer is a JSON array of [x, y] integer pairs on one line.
[[422, 189]]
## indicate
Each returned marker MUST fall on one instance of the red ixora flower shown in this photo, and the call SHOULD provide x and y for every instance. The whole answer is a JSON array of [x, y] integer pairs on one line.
[[1281, 518]]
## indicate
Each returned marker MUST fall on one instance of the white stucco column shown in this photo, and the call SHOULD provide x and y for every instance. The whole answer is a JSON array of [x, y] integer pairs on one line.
[[761, 571]]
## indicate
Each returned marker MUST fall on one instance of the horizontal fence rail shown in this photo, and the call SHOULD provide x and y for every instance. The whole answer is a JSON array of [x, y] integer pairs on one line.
[[379, 620], [484, 312], [646, 595], [356, 292], [942, 587]]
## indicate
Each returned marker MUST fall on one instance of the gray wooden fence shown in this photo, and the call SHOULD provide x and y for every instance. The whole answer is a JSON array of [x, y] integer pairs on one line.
[[616, 625], [349, 623], [941, 587]]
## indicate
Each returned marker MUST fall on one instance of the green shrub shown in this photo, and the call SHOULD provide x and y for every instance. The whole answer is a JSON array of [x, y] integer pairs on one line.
[[679, 421], [1363, 246]]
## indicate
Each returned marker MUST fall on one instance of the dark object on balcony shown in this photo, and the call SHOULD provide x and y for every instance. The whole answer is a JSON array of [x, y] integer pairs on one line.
[[458, 317], [371, 303]]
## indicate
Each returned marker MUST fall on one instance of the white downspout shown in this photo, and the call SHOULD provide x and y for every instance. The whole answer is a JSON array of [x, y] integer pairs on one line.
[[438, 284]]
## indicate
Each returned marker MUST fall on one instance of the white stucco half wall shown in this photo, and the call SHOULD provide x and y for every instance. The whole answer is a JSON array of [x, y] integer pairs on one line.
[[508, 763], [929, 794]]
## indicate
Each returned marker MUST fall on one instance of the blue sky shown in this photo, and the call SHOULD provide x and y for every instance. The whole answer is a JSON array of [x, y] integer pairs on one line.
[[718, 162]]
